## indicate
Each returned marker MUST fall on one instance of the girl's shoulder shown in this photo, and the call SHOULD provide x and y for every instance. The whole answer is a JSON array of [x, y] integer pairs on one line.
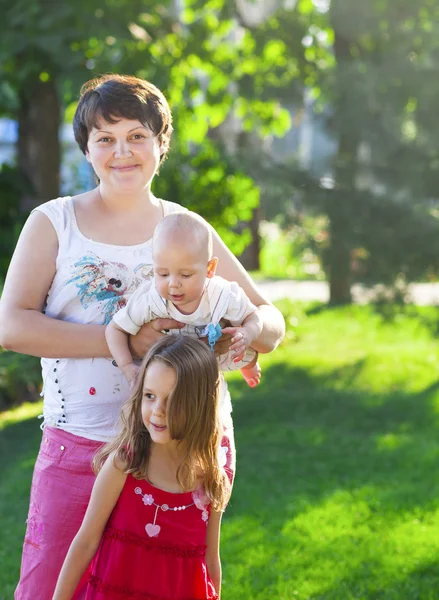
[[120, 461]]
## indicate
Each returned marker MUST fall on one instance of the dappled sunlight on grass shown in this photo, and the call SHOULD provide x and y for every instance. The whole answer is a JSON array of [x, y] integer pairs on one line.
[[20, 413], [392, 441], [337, 450], [343, 538]]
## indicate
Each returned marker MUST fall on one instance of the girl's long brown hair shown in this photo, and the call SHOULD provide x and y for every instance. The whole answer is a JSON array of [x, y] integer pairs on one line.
[[192, 416]]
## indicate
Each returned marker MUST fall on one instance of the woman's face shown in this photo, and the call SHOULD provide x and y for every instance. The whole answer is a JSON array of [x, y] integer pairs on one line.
[[124, 155]]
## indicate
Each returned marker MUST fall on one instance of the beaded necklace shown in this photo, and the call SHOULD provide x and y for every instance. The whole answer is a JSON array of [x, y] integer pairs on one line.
[[152, 529]]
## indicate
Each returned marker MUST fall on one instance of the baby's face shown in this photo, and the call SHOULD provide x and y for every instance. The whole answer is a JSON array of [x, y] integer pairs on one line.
[[180, 273]]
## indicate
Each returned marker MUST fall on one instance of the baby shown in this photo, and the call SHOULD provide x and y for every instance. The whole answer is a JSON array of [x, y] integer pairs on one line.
[[186, 288]]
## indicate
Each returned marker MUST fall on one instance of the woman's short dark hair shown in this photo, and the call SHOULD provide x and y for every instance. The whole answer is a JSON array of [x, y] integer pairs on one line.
[[112, 97]]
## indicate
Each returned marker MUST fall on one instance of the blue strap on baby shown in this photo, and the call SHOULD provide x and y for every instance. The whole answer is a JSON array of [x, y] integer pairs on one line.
[[213, 334]]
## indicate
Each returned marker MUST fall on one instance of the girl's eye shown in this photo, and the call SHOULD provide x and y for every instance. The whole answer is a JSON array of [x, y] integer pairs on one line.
[[149, 396], [186, 276]]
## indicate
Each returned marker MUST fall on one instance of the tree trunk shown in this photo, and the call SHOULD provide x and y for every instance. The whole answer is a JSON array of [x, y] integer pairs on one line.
[[343, 194], [250, 257], [39, 152], [339, 256]]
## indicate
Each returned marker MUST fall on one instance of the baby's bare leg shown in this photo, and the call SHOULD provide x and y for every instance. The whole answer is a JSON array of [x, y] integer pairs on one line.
[[252, 372]]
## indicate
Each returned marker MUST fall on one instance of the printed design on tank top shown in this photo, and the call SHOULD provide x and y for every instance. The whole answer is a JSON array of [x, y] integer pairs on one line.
[[107, 283]]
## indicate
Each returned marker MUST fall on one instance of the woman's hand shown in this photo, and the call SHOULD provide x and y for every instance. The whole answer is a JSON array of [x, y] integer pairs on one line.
[[222, 345], [149, 334], [240, 341]]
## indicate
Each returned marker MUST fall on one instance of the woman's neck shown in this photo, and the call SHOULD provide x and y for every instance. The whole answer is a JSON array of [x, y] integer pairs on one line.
[[129, 201]]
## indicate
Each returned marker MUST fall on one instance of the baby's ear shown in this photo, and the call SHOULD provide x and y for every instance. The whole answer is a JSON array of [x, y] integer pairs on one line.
[[211, 267]]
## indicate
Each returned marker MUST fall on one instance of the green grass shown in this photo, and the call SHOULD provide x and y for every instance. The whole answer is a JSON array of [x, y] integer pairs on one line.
[[337, 493]]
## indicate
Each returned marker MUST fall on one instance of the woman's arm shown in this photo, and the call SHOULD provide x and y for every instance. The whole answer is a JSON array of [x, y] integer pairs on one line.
[[213, 560], [106, 491], [273, 329], [23, 326]]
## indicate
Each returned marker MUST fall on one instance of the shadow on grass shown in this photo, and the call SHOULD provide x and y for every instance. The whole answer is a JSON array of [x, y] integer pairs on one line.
[[307, 450]]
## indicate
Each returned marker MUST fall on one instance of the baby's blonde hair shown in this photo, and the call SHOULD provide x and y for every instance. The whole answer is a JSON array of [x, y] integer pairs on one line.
[[188, 225]]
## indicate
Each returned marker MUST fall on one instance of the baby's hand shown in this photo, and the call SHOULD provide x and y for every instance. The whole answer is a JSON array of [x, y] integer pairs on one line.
[[130, 371], [240, 341]]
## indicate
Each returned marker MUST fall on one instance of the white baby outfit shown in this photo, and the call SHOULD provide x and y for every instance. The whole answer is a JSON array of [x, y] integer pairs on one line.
[[93, 280], [221, 300]]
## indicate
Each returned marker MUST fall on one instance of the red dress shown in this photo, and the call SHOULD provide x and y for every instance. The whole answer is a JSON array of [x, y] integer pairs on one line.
[[149, 551]]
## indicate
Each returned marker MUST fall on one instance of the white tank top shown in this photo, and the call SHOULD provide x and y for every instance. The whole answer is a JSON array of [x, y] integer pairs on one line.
[[92, 281]]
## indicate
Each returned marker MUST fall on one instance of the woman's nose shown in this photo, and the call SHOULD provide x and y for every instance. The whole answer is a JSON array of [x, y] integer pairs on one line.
[[122, 149]]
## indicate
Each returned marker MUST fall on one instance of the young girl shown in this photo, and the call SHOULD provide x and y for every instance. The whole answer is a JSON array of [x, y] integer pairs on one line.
[[155, 509], [77, 262]]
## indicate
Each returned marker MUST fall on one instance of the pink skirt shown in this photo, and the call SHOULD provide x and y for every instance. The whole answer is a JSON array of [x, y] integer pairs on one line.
[[61, 488]]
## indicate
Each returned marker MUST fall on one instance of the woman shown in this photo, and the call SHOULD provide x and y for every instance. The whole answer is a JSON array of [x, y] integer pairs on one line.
[[76, 262]]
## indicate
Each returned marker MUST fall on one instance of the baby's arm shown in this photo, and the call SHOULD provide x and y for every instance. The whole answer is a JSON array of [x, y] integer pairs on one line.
[[106, 491], [213, 560], [128, 321], [117, 340], [244, 335]]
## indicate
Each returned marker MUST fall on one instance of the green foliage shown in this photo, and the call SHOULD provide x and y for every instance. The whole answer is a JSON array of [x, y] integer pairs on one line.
[[207, 182], [292, 253], [204, 61], [12, 186], [20, 377], [60, 41], [386, 170], [373, 64]]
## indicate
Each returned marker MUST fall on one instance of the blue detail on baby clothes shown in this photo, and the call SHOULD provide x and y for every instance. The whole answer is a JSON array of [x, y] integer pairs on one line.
[[213, 334]]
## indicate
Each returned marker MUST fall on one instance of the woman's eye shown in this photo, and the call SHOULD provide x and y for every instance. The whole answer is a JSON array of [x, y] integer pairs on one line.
[[138, 136], [104, 140]]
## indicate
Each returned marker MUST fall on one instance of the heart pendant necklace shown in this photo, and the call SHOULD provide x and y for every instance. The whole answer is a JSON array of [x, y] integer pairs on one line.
[[152, 529]]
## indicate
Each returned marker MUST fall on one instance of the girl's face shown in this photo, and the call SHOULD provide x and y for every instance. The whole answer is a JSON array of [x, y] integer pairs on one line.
[[124, 155], [160, 380]]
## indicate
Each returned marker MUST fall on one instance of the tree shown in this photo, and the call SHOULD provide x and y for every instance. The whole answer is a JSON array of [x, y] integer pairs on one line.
[[187, 53], [46, 50], [377, 72]]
